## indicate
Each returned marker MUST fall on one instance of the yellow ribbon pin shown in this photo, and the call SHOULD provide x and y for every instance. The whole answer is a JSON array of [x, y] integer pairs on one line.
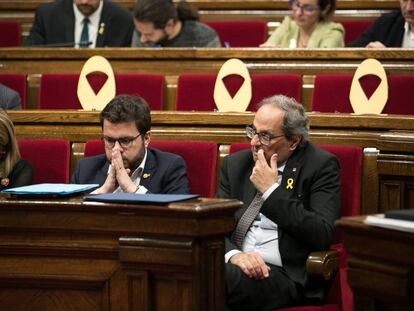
[[146, 175], [289, 184]]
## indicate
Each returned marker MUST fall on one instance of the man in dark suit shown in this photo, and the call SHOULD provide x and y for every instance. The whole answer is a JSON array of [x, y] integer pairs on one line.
[[62, 23], [290, 189], [395, 29], [9, 99], [128, 165]]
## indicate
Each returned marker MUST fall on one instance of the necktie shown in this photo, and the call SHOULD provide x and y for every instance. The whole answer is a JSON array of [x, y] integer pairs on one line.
[[246, 220], [84, 39]]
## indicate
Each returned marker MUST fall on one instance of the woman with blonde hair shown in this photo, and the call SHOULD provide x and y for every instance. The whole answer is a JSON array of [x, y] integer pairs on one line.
[[14, 171]]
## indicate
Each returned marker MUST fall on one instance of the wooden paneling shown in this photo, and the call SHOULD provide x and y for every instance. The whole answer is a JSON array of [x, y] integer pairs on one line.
[[73, 255]]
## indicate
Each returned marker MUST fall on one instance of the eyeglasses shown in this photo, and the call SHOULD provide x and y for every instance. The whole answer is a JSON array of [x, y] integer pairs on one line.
[[264, 138], [306, 8], [124, 142]]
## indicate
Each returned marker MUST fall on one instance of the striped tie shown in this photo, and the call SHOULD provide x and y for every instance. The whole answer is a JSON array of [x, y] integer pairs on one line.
[[246, 220]]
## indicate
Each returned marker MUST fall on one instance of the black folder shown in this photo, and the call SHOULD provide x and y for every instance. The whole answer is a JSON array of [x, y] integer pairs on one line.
[[402, 214]]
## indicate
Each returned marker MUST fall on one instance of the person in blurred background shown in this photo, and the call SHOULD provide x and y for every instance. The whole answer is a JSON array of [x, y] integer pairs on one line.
[[14, 171], [9, 98], [161, 23], [394, 29], [310, 26]]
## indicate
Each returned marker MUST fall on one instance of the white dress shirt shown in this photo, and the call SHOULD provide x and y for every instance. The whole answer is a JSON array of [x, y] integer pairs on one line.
[[408, 38], [262, 236], [93, 25]]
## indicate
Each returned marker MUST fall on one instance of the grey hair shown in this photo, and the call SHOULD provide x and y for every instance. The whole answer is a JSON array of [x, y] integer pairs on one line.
[[295, 121]]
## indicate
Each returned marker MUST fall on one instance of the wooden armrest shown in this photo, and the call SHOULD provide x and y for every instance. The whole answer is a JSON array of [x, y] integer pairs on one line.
[[322, 264]]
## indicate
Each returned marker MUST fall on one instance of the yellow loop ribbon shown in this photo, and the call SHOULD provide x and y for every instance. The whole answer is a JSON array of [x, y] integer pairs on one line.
[[289, 183]]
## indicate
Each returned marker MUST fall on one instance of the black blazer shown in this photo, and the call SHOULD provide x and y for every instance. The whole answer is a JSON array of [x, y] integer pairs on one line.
[[388, 29], [305, 215], [163, 172], [55, 24]]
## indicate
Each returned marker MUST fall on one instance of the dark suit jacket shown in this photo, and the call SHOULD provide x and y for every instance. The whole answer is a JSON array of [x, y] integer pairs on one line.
[[305, 215], [388, 29], [166, 172], [55, 24], [9, 98]]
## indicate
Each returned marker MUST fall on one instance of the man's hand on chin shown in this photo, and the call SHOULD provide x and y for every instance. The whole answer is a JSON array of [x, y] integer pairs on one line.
[[252, 264]]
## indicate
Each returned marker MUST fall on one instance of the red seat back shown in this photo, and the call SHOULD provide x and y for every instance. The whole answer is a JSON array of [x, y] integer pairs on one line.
[[17, 82], [59, 91], [196, 91], [331, 93], [50, 159], [10, 34], [200, 159], [240, 33], [355, 28]]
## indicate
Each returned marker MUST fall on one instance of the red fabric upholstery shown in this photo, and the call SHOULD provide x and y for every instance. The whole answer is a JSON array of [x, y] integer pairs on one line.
[[200, 159], [59, 91], [354, 28], [10, 34], [331, 93], [17, 82], [50, 159], [240, 33], [196, 91], [339, 295]]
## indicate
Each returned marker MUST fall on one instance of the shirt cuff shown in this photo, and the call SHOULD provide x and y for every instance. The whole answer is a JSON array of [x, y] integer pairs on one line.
[[229, 254], [269, 191], [141, 190]]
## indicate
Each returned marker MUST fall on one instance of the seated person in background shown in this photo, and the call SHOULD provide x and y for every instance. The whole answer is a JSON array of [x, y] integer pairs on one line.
[[309, 27], [62, 23], [14, 171], [290, 189], [395, 29], [9, 99], [128, 165], [161, 23]]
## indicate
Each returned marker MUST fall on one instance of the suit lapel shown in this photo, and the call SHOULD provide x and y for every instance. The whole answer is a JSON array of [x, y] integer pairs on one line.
[[69, 22], [102, 174], [149, 170], [103, 25]]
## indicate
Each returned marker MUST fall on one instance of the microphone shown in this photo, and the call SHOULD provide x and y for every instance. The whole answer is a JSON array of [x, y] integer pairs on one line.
[[62, 44]]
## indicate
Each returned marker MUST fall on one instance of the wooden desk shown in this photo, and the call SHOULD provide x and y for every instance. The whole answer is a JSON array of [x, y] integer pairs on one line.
[[74, 255], [380, 266]]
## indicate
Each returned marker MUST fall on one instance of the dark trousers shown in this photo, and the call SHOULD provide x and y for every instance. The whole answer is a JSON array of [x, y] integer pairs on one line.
[[244, 293]]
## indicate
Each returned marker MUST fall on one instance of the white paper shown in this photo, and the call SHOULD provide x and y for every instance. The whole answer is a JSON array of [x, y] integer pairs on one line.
[[389, 223], [60, 189]]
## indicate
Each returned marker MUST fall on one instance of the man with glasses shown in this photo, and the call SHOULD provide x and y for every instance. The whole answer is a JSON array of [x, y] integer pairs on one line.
[[128, 165], [290, 189], [395, 29]]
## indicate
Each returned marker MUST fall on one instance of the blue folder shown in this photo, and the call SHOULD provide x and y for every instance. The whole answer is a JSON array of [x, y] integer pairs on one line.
[[124, 197], [50, 189]]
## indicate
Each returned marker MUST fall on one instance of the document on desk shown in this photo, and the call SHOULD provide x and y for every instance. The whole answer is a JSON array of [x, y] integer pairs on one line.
[[389, 223], [51, 189], [124, 197]]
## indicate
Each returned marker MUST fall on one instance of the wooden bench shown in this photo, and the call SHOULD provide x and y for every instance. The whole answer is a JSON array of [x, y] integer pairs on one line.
[[172, 62], [388, 169]]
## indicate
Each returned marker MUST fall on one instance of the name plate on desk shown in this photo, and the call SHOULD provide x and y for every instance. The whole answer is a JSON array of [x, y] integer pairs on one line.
[[124, 197]]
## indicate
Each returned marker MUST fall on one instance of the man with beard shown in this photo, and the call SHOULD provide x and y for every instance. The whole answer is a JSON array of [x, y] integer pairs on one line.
[[161, 23], [128, 165], [81, 23], [290, 189], [395, 29]]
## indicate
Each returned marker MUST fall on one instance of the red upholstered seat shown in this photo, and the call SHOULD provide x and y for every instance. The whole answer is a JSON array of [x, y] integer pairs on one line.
[[339, 295], [10, 34], [59, 91], [331, 93], [17, 82], [354, 28], [200, 159], [240, 33], [50, 159], [196, 91]]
